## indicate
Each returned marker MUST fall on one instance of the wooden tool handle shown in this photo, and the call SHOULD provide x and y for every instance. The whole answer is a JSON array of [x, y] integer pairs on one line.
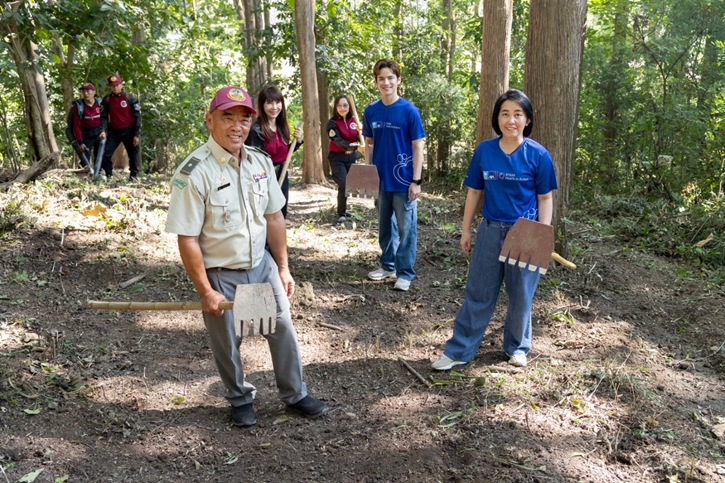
[[563, 261], [291, 151], [92, 304]]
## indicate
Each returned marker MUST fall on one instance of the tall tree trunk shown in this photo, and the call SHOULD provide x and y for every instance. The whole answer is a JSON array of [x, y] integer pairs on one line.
[[443, 147], [552, 81], [37, 112], [495, 51], [305, 26], [615, 79], [398, 40], [252, 16], [323, 94]]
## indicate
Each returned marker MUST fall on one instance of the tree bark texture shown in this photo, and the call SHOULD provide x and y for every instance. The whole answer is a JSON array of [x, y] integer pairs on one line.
[[552, 81], [495, 49], [305, 26], [37, 112]]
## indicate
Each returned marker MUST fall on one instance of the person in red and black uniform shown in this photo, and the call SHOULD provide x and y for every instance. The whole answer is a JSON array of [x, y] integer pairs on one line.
[[86, 123], [120, 123], [271, 133], [344, 136]]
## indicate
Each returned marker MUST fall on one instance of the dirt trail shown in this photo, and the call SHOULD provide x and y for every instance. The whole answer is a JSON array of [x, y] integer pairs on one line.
[[625, 381]]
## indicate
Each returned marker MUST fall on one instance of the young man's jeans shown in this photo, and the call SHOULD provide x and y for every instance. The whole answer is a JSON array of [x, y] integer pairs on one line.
[[398, 234], [485, 275]]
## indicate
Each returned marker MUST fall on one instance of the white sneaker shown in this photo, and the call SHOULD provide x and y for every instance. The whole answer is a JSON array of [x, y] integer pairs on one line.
[[518, 360], [382, 274], [402, 284], [445, 363]]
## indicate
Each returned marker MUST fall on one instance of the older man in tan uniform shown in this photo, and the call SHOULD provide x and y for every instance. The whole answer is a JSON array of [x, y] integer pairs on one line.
[[225, 204]]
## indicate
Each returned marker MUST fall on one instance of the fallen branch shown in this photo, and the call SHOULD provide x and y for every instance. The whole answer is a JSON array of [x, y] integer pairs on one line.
[[38, 168], [414, 372], [132, 281], [505, 369], [61, 171], [329, 326]]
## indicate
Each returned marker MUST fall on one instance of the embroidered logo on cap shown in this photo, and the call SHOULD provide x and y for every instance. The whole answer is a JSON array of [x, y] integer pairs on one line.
[[113, 78], [236, 95]]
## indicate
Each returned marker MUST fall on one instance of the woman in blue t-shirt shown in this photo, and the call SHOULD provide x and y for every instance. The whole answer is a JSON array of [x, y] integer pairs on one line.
[[515, 176]]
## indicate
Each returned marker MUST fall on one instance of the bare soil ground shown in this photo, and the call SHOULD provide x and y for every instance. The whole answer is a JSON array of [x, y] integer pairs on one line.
[[625, 381]]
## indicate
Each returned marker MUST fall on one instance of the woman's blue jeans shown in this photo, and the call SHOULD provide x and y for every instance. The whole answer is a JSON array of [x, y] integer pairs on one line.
[[485, 275], [398, 232]]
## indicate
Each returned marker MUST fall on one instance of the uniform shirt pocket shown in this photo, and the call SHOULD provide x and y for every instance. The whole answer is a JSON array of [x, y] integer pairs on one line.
[[225, 209], [260, 195]]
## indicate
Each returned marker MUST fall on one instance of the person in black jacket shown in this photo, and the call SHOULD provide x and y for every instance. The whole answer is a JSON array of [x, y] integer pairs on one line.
[[84, 121], [271, 133], [120, 123], [344, 135]]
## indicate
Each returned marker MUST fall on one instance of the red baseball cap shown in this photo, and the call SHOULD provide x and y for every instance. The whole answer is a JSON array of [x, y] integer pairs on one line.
[[87, 86], [114, 80], [231, 96]]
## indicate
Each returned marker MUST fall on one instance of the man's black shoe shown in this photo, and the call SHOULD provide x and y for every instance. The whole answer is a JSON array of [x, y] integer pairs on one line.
[[244, 415], [309, 407]]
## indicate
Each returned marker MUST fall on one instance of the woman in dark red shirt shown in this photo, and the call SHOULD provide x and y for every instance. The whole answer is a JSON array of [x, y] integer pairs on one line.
[[344, 136], [271, 133]]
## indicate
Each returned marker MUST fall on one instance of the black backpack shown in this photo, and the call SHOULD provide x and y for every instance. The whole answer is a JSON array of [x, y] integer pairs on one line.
[[79, 104]]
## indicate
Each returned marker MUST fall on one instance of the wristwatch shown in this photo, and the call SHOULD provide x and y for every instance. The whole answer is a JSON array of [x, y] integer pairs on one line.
[[417, 181]]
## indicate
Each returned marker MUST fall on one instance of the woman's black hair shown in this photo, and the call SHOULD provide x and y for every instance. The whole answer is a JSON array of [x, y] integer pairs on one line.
[[519, 97], [272, 93]]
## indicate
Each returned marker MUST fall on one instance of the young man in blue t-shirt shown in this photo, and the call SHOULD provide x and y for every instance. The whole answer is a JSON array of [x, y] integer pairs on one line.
[[395, 140]]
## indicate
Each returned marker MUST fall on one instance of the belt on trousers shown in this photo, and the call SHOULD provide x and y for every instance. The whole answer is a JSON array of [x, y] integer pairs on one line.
[[348, 152], [224, 269], [498, 223]]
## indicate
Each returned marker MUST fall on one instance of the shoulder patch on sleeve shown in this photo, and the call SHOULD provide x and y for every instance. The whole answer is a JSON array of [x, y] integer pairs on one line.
[[179, 184], [331, 133], [137, 106], [189, 166]]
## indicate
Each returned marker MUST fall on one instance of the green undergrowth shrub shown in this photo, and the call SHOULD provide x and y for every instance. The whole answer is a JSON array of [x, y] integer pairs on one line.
[[689, 229]]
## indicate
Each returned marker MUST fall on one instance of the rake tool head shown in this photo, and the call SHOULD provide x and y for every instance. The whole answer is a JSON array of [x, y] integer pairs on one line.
[[255, 309], [528, 244], [362, 181]]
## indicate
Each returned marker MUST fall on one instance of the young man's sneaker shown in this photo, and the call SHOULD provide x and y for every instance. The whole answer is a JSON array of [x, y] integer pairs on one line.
[[244, 415], [308, 407], [445, 363], [381, 274], [518, 360], [402, 284], [342, 219]]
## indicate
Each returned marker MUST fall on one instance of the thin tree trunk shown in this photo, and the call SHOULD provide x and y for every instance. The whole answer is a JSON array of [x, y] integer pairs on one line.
[[305, 25], [552, 80], [323, 95], [615, 79], [64, 68]]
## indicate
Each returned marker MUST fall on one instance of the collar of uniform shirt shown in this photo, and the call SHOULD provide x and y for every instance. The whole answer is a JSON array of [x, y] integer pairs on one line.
[[222, 155]]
